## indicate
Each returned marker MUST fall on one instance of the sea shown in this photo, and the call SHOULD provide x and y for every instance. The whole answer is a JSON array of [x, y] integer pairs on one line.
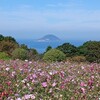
[[41, 46]]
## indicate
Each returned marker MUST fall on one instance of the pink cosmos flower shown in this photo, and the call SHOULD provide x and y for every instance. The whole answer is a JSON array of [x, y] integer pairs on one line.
[[27, 97], [83, 90], [13, 73], [34, 76], [44, 84], [18, 99], [54, 84], [50, 91], [32, 97], [92, 77], [62, 86], [8, 83], [82, 84], [62, 74], [90, 83], [33, 81]]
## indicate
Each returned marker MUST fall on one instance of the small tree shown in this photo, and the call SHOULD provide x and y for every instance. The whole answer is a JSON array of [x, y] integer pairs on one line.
[[33, 54], [1, 37], [91, 50], [78, 59], [20, 53], [48, 48], [68, 49], [4, 56], [7, 46], [23, 46], [54, 55], [10, 39]]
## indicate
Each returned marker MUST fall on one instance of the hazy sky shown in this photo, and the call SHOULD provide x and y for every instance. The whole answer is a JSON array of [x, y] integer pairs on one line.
[[70, 19]]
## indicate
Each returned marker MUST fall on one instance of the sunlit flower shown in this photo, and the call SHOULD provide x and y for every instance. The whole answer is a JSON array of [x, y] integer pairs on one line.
[[82, 84], [13, 73], [26, 60], [7, 69], [54, 84], [30, 62], [32, 96], [34, 76], [50, 91], [83, 90], [44, 84], [8, 83], [18, 99], [90, 82]]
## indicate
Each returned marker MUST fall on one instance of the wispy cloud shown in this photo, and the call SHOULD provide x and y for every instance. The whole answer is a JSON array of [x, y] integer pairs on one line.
[[57, 5], [58, 18], [72, 4], [49, 19]]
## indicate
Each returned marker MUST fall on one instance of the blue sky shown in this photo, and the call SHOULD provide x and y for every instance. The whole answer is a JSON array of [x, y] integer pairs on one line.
[[68, 19]]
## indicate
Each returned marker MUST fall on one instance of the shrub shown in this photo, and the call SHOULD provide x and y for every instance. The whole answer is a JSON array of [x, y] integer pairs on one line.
[[1, 37], [78, 59], [48, 48], [20, 53], [4, 56], [33, 54], [54, 55], [91, 50], [68, 49], [7, 46], [23, 46]]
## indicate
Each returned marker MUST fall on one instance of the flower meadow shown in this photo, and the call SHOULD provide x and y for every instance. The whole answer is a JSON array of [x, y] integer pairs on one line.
[[34, 80]]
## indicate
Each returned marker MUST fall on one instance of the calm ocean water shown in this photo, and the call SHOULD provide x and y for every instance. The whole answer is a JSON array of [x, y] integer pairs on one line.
[[41, 46]]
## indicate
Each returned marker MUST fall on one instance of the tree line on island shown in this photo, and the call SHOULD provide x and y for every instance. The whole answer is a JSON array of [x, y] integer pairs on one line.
[[89, 51]]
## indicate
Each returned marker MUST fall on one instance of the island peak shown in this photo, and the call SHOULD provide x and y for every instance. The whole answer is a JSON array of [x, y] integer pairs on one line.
[[48, 38]]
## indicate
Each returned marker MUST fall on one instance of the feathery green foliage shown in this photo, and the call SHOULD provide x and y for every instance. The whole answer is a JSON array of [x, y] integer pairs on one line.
[[54, 55]]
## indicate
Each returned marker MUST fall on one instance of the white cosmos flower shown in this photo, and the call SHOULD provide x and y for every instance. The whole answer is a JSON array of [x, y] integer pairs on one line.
[[7, 69]]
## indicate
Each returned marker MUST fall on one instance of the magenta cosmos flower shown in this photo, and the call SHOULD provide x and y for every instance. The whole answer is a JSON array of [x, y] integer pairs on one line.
[[44, 84], [82, 84]]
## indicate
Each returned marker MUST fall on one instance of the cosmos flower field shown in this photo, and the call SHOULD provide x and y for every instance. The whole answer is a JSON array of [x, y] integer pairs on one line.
[[33, 80]]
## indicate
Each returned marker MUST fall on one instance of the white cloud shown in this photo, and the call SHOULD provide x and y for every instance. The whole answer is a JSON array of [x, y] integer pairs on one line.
[[71, 4], [28, 19]]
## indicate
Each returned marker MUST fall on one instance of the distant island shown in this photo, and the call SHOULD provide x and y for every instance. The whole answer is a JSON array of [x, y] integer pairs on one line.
[[48, 38]]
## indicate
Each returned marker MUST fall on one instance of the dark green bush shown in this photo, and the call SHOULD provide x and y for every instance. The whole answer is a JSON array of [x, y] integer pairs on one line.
[[4, 56], [54, 55], [20, 53], [91, 50], [68, 49], [48, 48], [1, 37], [23, 46]]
